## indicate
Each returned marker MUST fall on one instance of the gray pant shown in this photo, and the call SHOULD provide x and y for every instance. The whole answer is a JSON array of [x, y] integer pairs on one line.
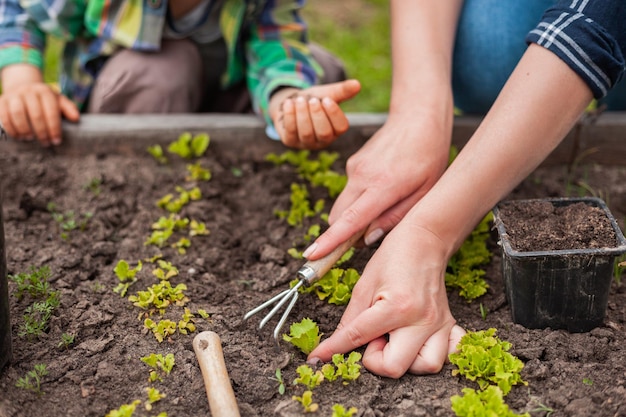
[[180, 78]]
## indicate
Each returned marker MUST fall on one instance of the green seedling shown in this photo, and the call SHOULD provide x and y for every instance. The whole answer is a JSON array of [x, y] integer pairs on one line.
[[182, 245], [69, 221], [164, 228], [300, 206], [346, 369], [542, 408], [35, 283], [94, 186], [125, 410], [33, 379], [307, 402], [464, 270], [160, 296], [67, 340], [304, 335], [161, 329], [153, 396], [195, 172], [279, 378], [335, 286], [175, 204], [308, 377], [202, 313], [488, 402], [188, 146], [37, 316], [160, 365], [340, 411], [186, 325], [588, 381], [165, 270], [157, 153], [126, 275], [197, 228], [483, 311], [485, 359]]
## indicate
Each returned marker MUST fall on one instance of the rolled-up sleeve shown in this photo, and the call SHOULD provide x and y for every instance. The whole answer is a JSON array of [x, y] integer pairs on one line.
[[21, 41], [589, 36]]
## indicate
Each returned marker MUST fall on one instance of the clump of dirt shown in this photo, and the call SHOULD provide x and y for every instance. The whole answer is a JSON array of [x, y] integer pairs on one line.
[[240, 264]]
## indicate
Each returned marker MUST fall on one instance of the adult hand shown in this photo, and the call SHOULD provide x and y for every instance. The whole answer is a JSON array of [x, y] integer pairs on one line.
[[29, 108], [399, 308], [311, 118], [386, 177]]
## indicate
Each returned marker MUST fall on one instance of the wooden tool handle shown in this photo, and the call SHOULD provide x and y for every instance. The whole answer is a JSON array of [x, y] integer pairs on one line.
[[314, 270], [208, 348]]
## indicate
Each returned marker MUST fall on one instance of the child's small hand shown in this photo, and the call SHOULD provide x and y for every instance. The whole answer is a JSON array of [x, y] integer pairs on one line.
[[312, 118]]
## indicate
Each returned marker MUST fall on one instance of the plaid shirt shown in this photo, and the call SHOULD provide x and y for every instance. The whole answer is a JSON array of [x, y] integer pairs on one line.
[[589, 36], [265, 39]]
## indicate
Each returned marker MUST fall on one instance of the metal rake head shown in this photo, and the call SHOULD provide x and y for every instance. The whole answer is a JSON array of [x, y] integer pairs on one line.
[[290, 295]]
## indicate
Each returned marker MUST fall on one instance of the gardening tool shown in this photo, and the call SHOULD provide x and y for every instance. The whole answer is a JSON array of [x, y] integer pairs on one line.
[[208, 348], [308, 274]]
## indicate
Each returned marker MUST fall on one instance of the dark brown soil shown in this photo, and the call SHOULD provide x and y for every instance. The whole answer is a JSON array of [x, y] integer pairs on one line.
[[239, 265], [543, 226]]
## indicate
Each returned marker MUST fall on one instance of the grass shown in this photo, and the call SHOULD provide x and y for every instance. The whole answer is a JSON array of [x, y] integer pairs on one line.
[[360, 40]]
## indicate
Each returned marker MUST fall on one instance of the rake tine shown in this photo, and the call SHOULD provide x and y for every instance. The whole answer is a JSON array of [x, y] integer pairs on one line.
[[280, 304], [282, 320], [265, 304]]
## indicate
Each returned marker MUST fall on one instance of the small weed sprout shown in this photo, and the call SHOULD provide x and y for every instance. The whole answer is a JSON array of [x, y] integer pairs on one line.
[[35, 283], [483, 311], [94, 186], [69, 221], [32, 380], [67, 340], [279, 378]]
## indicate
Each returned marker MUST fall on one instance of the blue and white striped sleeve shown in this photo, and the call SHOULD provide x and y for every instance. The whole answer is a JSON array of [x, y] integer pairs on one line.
[[588, 35]]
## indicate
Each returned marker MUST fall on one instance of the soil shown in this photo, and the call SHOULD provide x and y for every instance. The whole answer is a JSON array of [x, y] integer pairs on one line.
[[540, 225], [240, 264]]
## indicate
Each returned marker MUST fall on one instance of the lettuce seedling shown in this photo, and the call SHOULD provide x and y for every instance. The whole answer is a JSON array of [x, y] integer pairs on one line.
[[160, 296], [489, 402], [484, 358], [197, 228], [340, 411], [188, 146], [165, 271], [186, 325], [300, 206], [336, 285], [161, 365], [125, 410], [126, 275], [197, 173], [175, 205], [464, 268], [157, 153], [307, 402], [308, 377], [304, 335], [161, 329], [346, 369], [153, 396]]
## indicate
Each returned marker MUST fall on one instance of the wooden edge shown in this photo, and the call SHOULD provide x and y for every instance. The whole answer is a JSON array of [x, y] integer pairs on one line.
[[600, 139]]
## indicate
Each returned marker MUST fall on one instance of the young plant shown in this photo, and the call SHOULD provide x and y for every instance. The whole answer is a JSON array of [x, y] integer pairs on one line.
[[336, 285], [126, 275], [300, 206], [157, 153], [340, 411], [484, 358], [488, 402], [188, 146], [175, 205], [348, 370], [35, 283], [464, 268], [307, 402], [94, 186], [37, 316], [69, 221], [195, 172], [160, 365], [153, 396], [281, 382], [160, 296], [165, 270], [304, 335], [125, 410], [308, 377], [67, 340], [32, 380], [186, 325], [160, 329]]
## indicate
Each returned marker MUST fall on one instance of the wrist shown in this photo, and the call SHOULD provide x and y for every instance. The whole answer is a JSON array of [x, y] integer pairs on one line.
[[17, 75]]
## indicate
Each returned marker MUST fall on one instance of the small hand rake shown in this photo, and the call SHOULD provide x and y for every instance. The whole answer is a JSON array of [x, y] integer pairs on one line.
[[308, 274]]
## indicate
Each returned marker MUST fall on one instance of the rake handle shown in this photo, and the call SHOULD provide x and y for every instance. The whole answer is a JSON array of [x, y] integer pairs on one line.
[[314, 270], [220, 394]]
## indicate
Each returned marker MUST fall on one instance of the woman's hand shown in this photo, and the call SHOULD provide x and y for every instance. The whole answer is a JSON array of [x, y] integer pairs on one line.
[[312, 118], [30, 109], [399, 308]]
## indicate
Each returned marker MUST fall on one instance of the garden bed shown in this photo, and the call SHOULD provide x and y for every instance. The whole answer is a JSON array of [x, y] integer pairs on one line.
[[240, 264]]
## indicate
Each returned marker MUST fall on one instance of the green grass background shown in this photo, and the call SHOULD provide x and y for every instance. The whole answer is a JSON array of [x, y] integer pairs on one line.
[[357, 31]]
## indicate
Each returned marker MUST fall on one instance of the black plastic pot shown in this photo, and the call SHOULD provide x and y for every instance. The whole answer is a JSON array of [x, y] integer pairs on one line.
[[5, 322], [559, 289]]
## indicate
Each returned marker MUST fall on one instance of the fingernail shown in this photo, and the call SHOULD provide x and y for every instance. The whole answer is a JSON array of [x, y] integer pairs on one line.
[[309, 251], [373, 236], [327, 101], [313, 361], [314, 101], [56, 141], [300, 99]]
